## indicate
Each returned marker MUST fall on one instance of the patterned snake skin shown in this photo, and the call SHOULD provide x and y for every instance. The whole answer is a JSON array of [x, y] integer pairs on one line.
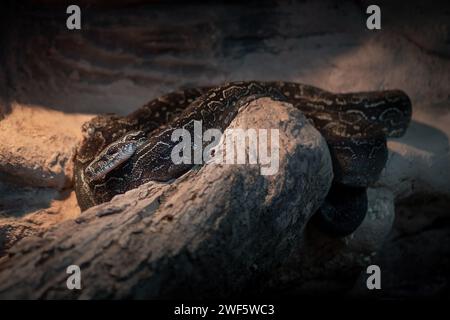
[[121, 153]]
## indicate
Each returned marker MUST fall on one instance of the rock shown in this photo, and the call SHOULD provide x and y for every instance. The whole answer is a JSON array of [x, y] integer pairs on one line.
[[415, 259], [322, 264], [26, 211], [36, 146], [419, 162]]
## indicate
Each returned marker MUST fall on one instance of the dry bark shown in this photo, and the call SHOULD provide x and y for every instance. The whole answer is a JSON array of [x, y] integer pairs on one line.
[[210, 233]]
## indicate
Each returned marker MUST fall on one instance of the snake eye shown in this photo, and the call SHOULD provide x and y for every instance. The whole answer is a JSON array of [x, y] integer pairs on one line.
[[110, 151]]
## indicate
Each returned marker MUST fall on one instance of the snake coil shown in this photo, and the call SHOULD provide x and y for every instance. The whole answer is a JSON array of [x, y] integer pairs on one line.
[[121, 153]]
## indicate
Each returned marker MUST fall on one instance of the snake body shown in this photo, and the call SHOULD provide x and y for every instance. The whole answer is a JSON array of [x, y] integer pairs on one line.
[[121, 153]]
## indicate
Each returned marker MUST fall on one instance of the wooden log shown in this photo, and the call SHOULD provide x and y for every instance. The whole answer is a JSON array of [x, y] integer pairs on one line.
[[210, 233]]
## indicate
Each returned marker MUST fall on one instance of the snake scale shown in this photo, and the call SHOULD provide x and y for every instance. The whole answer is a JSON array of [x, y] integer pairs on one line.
[[121, 153]]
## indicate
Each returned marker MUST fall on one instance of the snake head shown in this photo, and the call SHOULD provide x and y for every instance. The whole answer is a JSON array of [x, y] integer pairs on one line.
[[113, 156]]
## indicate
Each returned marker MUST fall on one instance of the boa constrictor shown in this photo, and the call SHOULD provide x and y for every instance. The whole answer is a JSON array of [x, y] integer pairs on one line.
[[121, 153]]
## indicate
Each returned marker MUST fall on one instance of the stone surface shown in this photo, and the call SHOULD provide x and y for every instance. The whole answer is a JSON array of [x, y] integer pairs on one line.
[[26, 211], [415, 258], [419, 162], [327, 265], [37, 145], [36, 148]]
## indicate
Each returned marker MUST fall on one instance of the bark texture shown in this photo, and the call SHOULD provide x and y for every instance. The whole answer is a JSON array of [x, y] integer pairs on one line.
[[208, 234]]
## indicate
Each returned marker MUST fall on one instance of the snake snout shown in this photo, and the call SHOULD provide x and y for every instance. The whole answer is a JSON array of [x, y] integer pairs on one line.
[[110, 159]]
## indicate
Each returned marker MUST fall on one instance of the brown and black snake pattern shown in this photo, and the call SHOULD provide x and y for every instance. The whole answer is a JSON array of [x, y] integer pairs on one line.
[[121, 153]]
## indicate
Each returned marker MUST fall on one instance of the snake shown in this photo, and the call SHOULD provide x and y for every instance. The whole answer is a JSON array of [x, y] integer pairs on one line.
[[120, 153]]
